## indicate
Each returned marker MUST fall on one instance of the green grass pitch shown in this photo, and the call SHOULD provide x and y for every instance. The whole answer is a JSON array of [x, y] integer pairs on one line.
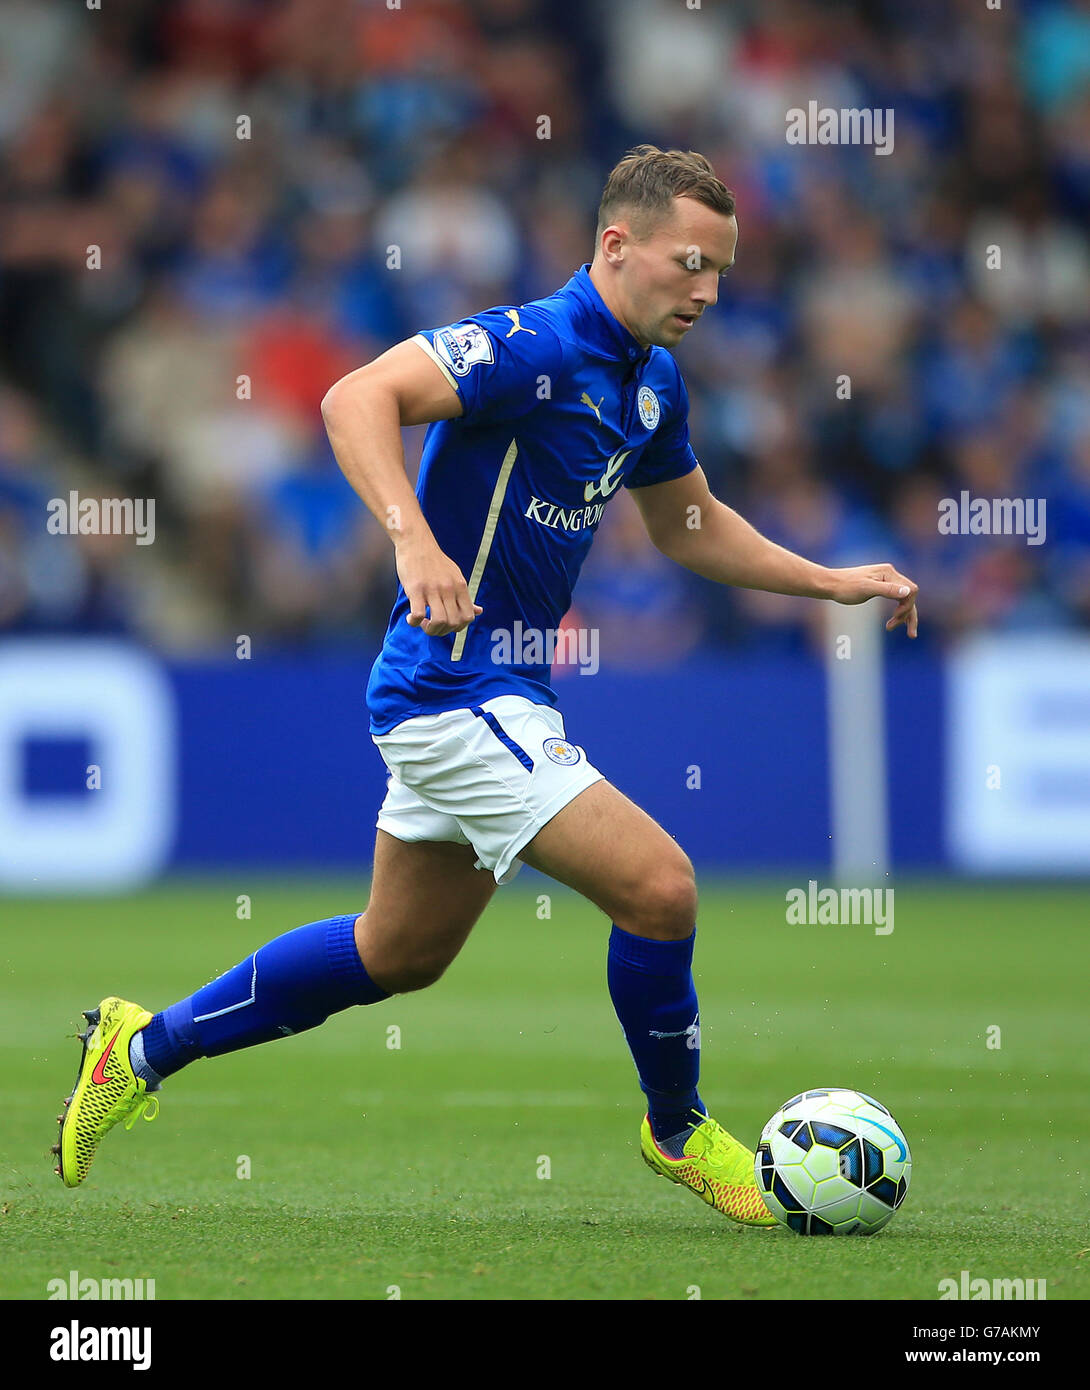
[[419, 1167]]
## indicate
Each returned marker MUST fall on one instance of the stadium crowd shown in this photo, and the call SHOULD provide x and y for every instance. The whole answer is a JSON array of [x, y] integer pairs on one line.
[[245, 166]]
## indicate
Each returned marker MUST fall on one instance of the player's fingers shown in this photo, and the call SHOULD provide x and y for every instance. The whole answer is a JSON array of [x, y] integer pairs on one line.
[[429, 611], [913, 622], [465, 610], [438, 623], [418, 609], [905, 613], [899, 615]]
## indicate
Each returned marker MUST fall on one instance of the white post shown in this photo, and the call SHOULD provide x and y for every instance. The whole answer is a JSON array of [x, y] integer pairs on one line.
[[859, 801]]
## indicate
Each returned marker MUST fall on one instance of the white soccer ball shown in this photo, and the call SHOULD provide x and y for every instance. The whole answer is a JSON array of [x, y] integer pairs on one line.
[[833, 1162]]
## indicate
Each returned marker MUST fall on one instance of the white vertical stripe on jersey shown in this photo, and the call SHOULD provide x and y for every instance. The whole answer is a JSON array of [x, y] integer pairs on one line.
[[486, 539]]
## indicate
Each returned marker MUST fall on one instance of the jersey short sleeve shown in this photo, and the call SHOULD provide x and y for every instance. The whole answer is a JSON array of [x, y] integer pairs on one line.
[[669, 454], [502, 362]]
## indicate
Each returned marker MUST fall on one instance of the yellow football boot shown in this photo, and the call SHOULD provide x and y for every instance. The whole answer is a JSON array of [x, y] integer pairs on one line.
[[107, 1090], [716, 1167]]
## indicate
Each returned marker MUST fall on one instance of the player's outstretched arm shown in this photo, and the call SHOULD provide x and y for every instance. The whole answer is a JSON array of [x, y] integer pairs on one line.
[[363, 414], [694, 528]]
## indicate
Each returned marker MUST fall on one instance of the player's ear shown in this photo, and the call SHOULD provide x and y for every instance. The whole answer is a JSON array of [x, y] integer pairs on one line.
[[612, 243]]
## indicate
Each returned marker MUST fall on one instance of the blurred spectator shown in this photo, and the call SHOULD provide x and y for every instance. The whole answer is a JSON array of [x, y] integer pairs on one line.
[[278, 190]]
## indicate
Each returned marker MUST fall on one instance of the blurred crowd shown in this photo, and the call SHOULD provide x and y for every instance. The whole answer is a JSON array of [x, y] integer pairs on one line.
[[196, 201]]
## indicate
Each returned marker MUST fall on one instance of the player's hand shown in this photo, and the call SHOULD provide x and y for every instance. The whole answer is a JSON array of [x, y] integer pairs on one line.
[[861, 582], [438, 594]]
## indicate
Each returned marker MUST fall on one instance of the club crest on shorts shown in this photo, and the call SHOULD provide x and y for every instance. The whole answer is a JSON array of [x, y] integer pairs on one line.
[[648, 404], [561, 751]]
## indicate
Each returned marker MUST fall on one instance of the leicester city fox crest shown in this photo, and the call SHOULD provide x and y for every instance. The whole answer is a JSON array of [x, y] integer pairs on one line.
[[561, 751], [648, 404]]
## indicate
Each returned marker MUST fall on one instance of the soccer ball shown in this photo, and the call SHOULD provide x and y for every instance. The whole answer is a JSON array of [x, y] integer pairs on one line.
[[832, 1163]]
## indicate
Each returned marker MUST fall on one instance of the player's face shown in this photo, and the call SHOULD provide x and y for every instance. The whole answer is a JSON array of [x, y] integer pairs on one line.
[[671, 278]]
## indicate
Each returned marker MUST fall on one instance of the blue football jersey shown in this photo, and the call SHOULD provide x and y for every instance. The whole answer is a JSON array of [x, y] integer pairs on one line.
[[561, 407]]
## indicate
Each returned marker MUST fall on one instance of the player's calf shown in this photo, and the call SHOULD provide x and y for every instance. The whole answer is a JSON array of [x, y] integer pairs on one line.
[[605, 847], [426, 897], [424, 901], [287, 986], [399, 968]]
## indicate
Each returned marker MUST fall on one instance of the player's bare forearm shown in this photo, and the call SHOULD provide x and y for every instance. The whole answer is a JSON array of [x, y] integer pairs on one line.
[[725, 548], [364, 428], [728, 550], [363, 418]]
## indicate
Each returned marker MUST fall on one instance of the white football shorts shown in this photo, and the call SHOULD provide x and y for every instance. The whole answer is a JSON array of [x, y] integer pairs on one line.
[[490, 777]]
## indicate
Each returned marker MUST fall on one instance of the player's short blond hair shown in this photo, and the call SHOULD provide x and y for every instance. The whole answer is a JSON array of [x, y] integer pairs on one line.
[[643, 185]]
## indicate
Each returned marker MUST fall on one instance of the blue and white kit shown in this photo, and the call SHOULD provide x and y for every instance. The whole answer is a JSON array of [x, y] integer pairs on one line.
[[561, 407]]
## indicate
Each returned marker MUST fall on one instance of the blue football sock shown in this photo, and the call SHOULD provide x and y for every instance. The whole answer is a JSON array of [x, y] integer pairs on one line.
[[287, 986], [651, 985]]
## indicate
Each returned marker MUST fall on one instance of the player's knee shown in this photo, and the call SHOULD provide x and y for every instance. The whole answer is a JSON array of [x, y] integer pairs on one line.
[[665, 906], [403, 977]]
